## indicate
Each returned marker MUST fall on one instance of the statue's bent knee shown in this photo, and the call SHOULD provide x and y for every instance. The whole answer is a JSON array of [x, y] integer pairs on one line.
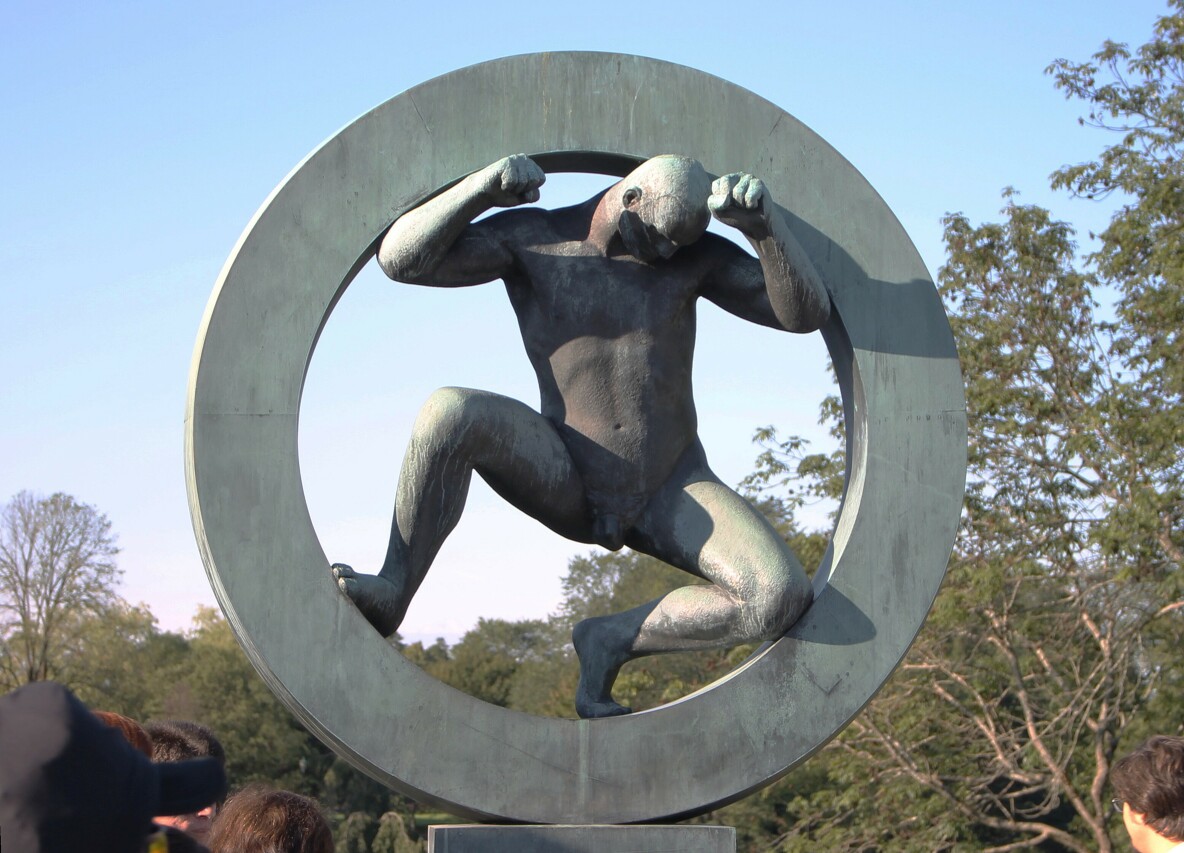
[[448, 414], [776, 605]]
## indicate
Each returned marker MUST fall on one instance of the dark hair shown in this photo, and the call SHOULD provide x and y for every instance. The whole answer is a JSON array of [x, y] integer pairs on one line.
[[181, 740], [259, 819], [1151, 781], [132, 731]]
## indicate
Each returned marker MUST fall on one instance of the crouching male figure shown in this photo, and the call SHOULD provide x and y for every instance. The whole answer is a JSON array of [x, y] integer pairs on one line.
[[605, 295]]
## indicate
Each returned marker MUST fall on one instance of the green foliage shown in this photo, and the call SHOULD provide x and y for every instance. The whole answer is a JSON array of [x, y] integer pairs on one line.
[[1139, 95], [392, 836], [214, 684], [117, 660], [353, 834], [486, 661], [790, 477]]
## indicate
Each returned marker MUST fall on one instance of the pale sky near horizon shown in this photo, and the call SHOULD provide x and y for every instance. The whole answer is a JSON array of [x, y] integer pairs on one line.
[[139, 138]]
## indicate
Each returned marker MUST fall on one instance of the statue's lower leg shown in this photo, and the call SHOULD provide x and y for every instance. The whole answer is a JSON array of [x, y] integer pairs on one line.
[[433, 484], [602, 652]]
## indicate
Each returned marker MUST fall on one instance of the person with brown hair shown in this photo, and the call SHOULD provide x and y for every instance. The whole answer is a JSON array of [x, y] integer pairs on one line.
[[1149, 784], [132, 731], [259, 819]]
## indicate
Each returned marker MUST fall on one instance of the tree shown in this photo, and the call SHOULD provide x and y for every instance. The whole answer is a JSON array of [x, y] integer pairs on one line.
[[392, 836], [1052, 646], [353, 834], [488, 661], [1048, 642], [1140, 96], [118, 658], [1051, 642], [57, 566], [213, 683]]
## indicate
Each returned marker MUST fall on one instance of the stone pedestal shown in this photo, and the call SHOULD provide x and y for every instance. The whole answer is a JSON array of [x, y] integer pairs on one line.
[[481, 838]]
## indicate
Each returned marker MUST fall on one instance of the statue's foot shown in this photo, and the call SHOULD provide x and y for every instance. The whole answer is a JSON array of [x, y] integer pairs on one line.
[[599, 665], [593, 710], [377, 597]]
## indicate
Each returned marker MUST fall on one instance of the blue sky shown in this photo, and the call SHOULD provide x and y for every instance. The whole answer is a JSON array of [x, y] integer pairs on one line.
[[139, 138]]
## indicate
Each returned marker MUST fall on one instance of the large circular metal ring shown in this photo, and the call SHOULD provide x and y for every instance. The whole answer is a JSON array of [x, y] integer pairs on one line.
[[905, 418]]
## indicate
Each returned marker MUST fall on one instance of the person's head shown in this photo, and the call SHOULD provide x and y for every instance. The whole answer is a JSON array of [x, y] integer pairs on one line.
[[259, 819], [69, 782], [1150, 784], [132, 731], [183, 740], [663, 206]]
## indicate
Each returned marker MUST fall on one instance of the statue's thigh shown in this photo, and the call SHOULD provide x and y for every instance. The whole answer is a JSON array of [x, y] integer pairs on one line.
[[709, 530], [524, 460]]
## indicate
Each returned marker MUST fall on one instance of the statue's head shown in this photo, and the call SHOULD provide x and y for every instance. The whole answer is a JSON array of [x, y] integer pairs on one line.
[[663, 206]]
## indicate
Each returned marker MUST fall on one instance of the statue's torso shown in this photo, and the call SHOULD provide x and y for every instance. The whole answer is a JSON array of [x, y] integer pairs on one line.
[[612, 342]]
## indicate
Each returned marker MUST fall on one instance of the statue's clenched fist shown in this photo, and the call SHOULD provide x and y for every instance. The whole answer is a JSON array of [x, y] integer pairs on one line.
[[741, 201], [512, 181]]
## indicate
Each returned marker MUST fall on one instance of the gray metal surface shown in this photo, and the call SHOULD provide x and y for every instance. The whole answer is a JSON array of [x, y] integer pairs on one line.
[[897, 369], [581, 839]]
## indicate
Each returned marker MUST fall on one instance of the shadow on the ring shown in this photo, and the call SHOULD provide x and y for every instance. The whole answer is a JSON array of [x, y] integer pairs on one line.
[[845, 624]]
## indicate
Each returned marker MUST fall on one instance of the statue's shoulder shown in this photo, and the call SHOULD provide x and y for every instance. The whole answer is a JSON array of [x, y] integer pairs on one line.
[[721, 250], [541, 225], [526, 221]]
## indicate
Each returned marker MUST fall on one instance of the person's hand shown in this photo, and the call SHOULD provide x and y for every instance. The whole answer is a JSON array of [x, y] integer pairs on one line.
[[741, 201], [512, 181]]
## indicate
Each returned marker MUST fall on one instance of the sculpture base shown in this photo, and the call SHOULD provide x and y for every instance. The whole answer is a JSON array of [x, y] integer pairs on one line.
[[483, 838]]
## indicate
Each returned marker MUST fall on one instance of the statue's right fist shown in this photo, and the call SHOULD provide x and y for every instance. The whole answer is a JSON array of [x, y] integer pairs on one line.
[[512, 181]]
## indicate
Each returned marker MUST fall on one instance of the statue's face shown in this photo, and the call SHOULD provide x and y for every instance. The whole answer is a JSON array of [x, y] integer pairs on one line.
[[664, 207], [644, 240]]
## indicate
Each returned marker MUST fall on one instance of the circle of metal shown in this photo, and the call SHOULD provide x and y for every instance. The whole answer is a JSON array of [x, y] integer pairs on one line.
[[905, 418]]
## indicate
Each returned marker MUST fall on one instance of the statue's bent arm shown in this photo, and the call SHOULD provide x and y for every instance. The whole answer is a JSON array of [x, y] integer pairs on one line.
[[435, 243], [481, 254], [780, 287], [795, 289]]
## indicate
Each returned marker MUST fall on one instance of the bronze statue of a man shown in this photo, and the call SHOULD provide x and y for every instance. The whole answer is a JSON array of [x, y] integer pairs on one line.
[[605, 296]]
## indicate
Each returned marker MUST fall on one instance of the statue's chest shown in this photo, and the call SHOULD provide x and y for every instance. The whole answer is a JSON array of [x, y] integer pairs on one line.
[[589, 294]]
